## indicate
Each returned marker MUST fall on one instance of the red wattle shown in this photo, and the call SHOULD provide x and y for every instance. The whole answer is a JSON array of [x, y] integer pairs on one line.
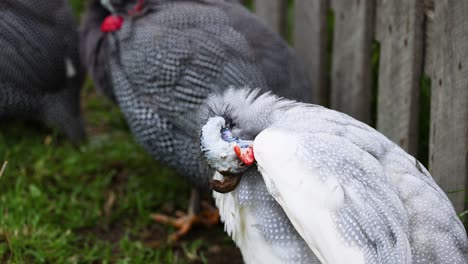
[[247, 157], [238, 151], [112, 23]]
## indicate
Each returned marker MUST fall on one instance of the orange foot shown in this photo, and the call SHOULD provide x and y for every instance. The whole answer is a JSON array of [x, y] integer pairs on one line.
[[208, 216]]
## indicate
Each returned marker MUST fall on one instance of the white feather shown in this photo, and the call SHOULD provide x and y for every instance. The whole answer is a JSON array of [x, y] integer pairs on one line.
[[309, 202], [218, 153], [240, 223], [71, 71]]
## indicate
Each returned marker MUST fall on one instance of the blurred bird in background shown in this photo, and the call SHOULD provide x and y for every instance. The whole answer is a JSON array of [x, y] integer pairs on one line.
[[161, 59], [299, 183], [40, 71]]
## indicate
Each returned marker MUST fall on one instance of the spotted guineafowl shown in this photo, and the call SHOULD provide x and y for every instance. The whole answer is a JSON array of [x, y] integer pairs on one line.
[[40, 71], [161, 59]]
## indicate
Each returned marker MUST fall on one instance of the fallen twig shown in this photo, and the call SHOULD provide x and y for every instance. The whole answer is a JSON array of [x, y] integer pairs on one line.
[[3, 168], [109, 203]]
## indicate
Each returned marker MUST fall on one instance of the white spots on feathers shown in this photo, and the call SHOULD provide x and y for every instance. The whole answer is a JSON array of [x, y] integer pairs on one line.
[[390, 208], [70, 68]]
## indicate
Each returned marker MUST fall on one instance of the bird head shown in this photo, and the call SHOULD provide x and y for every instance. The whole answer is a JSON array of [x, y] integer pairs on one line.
[[117, 8], [225, 152], [235, 117], [129, 7]]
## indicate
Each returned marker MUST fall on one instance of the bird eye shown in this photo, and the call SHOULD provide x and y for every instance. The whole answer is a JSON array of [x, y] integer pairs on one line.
[[229, 123], [226, 135]]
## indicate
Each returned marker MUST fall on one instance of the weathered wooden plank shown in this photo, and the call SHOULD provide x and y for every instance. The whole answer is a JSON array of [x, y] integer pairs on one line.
[[399, 29], [310, 42], [351, 69], [273, 13], [447, 51]]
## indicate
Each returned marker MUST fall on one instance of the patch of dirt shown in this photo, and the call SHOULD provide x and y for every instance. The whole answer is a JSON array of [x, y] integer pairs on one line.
[[224, 254], [112, 233], [214, 247], [121, 176], [219, 250]]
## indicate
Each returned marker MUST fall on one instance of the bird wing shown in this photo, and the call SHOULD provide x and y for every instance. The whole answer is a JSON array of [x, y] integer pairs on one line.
[[273, 57], [173, 59], [335, 194]]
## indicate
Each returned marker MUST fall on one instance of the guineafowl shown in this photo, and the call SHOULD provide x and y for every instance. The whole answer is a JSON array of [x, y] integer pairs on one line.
[[40, 71], [160, 59], [300, 183]]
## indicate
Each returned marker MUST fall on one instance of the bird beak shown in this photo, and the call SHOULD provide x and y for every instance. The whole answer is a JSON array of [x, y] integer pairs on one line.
[[244, 151], [228, 184]]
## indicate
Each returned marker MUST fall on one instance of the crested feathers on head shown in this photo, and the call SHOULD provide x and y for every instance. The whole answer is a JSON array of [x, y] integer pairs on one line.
[[248, 110], [234, 118]]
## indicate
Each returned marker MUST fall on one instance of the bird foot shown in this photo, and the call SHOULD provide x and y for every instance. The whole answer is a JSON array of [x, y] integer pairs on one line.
[[208, 216]]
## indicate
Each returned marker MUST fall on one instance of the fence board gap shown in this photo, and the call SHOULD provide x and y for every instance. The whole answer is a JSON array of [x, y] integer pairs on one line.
[[399, 26], [446, 64], [310, 41], [351, 87], [375, 61], [424, 119]]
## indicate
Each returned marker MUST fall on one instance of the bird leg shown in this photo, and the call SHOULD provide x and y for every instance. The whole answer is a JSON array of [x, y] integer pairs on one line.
[[199, 213]]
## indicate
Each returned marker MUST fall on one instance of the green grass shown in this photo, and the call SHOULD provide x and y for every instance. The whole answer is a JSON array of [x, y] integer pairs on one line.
[[53, 197]]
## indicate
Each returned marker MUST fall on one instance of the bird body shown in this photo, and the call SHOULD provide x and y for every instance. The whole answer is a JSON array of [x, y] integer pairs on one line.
[[350, 194], [289, 180], [40, 71], [164, 62], [259, 226]]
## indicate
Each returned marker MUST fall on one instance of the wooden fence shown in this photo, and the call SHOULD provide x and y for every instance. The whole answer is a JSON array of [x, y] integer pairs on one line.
[[415, 37]]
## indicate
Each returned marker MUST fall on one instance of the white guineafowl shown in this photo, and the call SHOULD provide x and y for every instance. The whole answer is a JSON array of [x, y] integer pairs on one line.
[[305, 184]]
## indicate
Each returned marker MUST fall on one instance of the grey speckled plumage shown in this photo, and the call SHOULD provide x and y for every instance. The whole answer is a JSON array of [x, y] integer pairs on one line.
[[40, 71], [272, 222], [163, 63], [392, 210]]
